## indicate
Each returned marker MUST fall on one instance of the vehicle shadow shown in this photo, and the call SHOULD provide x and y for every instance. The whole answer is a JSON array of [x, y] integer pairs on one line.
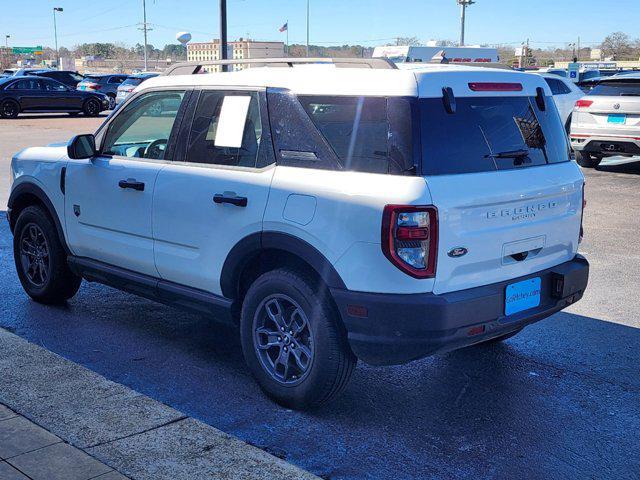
[[632, 166], [49, 116], [560, 400]]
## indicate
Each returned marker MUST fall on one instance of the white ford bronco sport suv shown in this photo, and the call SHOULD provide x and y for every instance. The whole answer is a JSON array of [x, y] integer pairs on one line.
[[332, 213]]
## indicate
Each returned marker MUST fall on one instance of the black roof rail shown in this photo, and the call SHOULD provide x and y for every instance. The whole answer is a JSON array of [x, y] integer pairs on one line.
[[191, 68]]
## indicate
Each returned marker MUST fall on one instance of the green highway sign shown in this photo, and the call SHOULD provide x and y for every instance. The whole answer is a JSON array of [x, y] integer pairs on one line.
[[34, 50]]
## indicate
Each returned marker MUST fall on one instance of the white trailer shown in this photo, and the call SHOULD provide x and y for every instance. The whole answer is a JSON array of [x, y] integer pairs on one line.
[[406, 54]]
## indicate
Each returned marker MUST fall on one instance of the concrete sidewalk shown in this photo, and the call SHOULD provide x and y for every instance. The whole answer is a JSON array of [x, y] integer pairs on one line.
[[28, 451], [99, 427]]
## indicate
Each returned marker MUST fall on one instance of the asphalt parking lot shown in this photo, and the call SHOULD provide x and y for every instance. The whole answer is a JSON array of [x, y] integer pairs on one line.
[[560, 400]]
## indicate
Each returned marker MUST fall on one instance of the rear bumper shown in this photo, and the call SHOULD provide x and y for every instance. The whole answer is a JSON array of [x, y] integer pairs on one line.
[[388, 329], [606, 145]]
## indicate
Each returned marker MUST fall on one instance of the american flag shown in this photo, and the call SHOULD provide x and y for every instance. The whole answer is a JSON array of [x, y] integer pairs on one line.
[[284, 27]]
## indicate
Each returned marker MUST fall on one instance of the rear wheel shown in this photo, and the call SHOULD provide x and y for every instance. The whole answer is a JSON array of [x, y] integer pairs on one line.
[[292, 341], [91, 108], [587, 160], [9, 109], [112, 101], [40, 259]]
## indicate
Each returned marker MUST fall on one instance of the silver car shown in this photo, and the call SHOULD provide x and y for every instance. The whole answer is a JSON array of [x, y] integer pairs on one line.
[[606, 122]]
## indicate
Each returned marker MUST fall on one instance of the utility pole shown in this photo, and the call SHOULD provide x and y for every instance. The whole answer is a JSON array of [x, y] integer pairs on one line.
[[308, 28], [55, 33], [463, 7], [578, 57], [144, 29], [223, 33], [6, 41]]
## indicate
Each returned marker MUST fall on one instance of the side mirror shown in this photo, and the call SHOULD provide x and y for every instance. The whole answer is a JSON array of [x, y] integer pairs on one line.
[[82, 146]]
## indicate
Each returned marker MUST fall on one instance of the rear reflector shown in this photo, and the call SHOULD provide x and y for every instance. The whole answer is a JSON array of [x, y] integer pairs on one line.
[[495, 87], [475, 331], [584, 103]]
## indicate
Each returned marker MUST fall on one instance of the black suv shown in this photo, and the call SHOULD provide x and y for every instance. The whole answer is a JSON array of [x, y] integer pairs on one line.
[[37, 94]]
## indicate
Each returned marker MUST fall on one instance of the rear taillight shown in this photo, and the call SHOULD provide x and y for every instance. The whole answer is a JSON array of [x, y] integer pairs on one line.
[[584, 205], [92, 86], [495, 87], [584, 103], [410, 238]]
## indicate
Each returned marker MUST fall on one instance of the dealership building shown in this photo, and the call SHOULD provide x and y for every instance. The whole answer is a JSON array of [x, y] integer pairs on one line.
[[243, 48]]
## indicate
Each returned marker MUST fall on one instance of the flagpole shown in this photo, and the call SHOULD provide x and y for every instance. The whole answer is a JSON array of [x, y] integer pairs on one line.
[[287, 38]]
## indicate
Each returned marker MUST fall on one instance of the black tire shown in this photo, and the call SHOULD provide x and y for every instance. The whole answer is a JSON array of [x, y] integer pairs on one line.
[[587, 160], [58, 283], [91, 108], [9, 109], [331, 363], [567, 126]]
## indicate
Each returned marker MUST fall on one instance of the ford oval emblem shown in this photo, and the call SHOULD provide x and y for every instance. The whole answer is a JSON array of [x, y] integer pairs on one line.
[[457, 252]]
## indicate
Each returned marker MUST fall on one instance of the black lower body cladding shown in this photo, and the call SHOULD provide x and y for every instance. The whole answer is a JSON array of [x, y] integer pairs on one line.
[[389, 329]]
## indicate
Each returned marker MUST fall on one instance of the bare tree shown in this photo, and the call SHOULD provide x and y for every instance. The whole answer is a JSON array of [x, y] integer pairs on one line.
[[616, 45], [408, 41]]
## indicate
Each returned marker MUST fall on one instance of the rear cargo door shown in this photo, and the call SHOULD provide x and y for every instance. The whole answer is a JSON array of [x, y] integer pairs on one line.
[[509, 200]]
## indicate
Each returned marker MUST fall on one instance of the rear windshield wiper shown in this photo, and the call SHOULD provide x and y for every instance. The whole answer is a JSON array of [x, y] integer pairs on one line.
[[509, 154]]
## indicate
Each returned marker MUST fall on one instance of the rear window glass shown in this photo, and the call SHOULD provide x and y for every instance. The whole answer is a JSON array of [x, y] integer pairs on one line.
[[132, 81], [617, 89], [488, 134], [367, 134]]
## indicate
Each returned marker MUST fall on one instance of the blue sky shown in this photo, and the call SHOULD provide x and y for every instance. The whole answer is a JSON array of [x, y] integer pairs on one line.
[[368, 22]]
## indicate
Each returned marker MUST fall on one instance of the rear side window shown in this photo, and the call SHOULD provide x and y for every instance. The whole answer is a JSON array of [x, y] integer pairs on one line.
[[226, 129], [116, 79], [557, 86], [488, 134], [367, 134], [627, 88]]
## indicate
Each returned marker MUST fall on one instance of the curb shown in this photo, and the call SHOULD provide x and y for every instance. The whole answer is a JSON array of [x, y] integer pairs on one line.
[[130, 432]]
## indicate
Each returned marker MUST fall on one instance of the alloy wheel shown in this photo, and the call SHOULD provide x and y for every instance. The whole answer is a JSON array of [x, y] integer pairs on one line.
[[9, 109], [34, 253], [283, 340]]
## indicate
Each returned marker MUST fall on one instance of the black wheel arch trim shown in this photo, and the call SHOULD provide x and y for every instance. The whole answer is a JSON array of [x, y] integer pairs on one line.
[[252, 245], [29, 188]]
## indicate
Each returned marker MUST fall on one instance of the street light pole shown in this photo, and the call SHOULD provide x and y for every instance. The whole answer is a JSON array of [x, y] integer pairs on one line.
[[144, 28], [463, 8], [307, 28], [55, 33], [223, 33], [6, 41]]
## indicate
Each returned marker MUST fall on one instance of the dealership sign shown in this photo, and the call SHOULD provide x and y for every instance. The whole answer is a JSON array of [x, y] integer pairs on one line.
[[33, 50]]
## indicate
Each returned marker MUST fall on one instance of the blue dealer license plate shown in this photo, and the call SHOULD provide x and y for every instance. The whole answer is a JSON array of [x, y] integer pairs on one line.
[[619, 118], [522, 296]]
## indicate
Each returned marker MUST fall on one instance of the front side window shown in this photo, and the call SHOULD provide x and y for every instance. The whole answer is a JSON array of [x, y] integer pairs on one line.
[[142, 128], [226, 129], [27, 84]]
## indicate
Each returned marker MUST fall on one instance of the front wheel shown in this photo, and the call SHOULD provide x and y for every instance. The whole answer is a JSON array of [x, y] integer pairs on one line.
[[40, 259], [91, 108], [292, 340], [587, 160]]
